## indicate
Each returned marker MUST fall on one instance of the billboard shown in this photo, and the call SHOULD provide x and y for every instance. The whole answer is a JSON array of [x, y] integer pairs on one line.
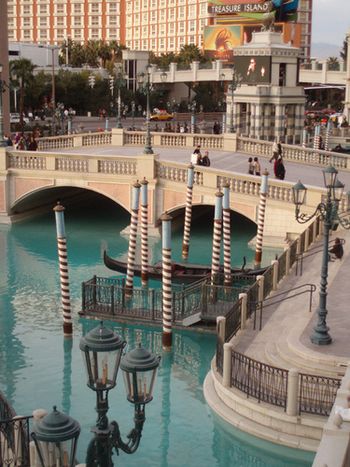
[[219, 41], [253, 69], [255, 10]]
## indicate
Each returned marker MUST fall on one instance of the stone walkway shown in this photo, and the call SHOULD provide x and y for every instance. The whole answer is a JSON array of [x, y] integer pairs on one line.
[[284, 340]]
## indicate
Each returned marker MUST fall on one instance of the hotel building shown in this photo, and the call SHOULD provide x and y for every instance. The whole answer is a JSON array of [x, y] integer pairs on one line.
[[158, 25]]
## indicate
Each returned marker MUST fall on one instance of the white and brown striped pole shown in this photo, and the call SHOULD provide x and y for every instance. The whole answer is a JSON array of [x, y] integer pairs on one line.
[[132, 236], [64, 277], [261, 218], [328, 131], [226, 226], [144, 232], [188, 212], [166, 282], [215, 261], [317, 134]]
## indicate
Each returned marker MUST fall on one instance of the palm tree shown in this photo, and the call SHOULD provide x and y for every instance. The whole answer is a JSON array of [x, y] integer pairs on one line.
[[21, 71], [333, 63], [189, 53], [104, 52]]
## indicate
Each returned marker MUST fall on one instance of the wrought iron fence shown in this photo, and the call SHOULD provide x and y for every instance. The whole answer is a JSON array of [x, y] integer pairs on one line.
[[268, 281], [256, 379], [252, 299], [282, 264], [233, 320], [317, 394], [293, 252], [219, 355], [14, 436]]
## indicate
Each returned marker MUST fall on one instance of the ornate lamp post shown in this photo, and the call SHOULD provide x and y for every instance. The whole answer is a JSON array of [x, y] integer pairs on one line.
[[328, 210], [236, 81], [56, 437], [144, 80], [133, 108], [102, 353], [2, 90], [192, 108], [120, 82]]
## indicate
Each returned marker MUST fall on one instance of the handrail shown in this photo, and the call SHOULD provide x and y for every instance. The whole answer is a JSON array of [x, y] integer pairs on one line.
[[262, 304], [311, 251]]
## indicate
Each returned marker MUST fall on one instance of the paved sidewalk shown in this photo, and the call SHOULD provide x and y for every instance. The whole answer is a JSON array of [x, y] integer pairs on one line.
[[222, 160], [285, 336]]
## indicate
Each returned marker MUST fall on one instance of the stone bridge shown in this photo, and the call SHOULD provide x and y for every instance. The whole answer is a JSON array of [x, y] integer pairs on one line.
[[31, 182]]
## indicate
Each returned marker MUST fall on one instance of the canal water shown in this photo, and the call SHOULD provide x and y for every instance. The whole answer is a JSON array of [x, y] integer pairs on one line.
[[39, 369]]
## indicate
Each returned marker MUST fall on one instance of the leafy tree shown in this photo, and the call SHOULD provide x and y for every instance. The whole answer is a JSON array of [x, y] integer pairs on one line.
[[333, 63], [21, 71], [344, 51], [77, 58]]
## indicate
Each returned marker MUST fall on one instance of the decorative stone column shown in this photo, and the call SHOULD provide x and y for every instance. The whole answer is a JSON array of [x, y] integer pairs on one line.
[[132, 236], [144, 232], [63, 263], [188, 212], [279, 121], [166, 282], [226, 213], [261, 218]]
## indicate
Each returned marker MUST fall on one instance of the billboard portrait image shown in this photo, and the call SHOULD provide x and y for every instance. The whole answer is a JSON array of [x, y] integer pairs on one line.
[[219, 41], [253, 69]]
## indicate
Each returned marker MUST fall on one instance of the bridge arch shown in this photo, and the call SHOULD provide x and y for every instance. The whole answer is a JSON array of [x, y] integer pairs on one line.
[[42, 198]]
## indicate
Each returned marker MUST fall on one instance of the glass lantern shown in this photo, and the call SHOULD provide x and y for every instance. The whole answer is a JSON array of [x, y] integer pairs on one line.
[[102, 349], [329, 176], [139, 370], [55, 438], [299, 194]]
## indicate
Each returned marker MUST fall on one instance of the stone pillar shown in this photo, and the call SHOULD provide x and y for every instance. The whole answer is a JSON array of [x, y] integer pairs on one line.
[[292, 392], [244, 312], [220, 327], [279, 121], [252, 133], [248, 123], [258, 121], [227, 366], [267, 122], [261, 281]]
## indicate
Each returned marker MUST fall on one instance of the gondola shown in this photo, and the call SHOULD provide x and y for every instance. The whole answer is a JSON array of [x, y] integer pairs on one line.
[[181, 272]]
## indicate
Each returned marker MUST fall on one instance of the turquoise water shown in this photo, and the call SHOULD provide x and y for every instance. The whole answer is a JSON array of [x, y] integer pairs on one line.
[[39, 368]]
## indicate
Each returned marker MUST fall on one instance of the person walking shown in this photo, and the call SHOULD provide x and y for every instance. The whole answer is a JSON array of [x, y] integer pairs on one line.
[[280, 171], [250, 166], [257, 167]]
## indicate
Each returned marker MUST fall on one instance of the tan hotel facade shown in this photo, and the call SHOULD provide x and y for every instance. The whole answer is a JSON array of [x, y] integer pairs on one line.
[[158, 25]]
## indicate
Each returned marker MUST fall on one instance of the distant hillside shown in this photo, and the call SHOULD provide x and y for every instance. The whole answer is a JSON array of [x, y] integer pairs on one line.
[[323, 50]]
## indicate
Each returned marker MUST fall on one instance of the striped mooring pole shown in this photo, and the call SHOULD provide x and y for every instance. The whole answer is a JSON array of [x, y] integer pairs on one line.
[[317, 134], [132, 236], [328, 131], [215, 261], [166, 282], [188, 212], [144, 232], [261, 218], [63, 263], [226, 227]]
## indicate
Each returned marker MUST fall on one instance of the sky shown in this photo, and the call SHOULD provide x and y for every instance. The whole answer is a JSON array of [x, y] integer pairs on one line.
[[330, 21]]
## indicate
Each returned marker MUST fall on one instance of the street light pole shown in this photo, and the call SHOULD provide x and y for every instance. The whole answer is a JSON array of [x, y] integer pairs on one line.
[[328, 211], [2, 90], [235, 83], [145, 81], [53, 92]]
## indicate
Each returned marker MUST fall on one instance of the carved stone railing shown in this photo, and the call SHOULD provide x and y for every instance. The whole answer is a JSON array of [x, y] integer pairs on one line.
[[295, 153]]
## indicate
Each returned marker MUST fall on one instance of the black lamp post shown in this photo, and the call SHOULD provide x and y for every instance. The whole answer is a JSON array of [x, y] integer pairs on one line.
[[192, 108], [328, 210], [144, 80], [102, 353], [236, 81], [56, 437], [2, 90], [120, 82]]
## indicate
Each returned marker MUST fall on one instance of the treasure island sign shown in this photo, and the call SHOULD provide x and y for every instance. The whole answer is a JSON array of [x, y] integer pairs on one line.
[[285, 10]]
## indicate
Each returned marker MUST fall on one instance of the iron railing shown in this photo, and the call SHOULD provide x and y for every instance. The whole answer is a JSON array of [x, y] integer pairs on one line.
[[264, 382], [219, 355], [233, 320], [317, 394]]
